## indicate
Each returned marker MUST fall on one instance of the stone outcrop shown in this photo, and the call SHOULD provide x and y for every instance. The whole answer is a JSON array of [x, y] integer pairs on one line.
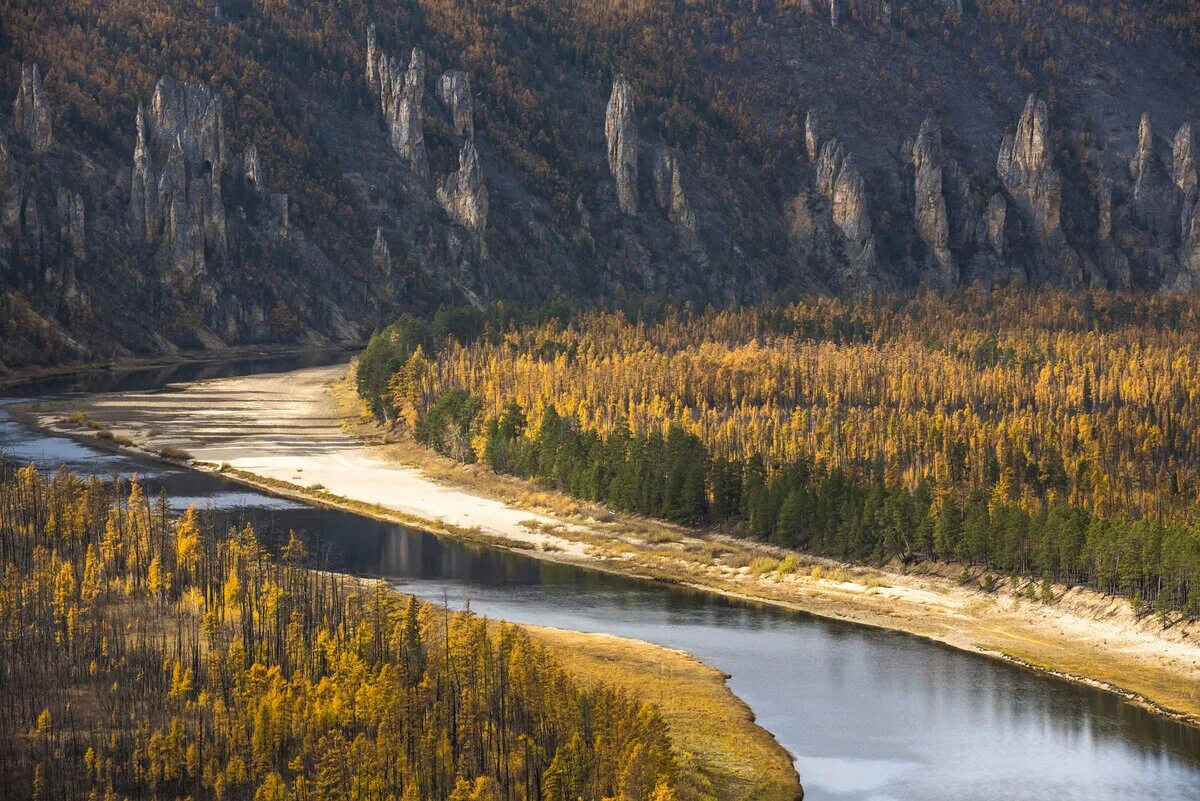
[[813, 128], [1184, 160], [620, 132], [192, 115], [252, 167], [851, 216], [932, 219], [31, 112], [464, 195], [1026, 168], [838, 180], [668, 192], [850, 202], [179, 208], [1113, 265], [143, 206], [454, 89], [1155, 196], [402, 98], [829, 162], [372, 58]]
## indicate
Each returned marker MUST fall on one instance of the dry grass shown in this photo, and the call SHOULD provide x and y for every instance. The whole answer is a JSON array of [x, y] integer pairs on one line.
[[707, 720]]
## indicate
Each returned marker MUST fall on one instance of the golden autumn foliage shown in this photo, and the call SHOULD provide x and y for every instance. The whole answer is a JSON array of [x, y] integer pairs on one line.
[[1092, 400], [148, 656]]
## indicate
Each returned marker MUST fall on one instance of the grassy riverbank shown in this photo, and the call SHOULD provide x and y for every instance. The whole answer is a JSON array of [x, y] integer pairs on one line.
[[707, 720], [302, 435]]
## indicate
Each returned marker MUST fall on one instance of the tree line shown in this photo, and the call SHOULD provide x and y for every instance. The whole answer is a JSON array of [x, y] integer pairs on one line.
[[148, 655], [1050, 435]]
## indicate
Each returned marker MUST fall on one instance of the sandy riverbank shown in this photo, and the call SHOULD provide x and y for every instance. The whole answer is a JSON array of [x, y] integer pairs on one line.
[[290, 434]]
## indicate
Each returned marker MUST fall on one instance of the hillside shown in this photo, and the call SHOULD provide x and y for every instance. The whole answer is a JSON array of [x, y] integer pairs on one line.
[[198, 174]]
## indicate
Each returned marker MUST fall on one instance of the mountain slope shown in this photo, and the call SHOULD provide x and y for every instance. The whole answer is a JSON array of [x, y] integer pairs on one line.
[[536, 149]]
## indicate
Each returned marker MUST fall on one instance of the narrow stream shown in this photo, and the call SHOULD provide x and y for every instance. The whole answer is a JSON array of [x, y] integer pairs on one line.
[[869, 714]]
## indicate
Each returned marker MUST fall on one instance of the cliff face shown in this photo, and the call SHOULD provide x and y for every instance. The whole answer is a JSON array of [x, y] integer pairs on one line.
[[620, 132], [309, 188]]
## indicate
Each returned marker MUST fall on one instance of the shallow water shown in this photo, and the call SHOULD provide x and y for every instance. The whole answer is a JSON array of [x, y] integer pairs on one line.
[[869, 714]]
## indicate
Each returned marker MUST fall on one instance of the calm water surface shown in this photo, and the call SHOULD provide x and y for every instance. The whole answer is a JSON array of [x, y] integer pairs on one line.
[[869, 714]]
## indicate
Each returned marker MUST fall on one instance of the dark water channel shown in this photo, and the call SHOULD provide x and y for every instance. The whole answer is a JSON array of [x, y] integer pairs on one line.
[[869, 714]]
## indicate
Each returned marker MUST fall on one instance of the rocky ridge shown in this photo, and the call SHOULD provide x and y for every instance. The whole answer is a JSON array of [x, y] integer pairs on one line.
[[942, 182]]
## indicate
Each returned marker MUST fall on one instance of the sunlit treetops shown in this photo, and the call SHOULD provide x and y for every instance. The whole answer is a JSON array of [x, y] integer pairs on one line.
[[148, 655]]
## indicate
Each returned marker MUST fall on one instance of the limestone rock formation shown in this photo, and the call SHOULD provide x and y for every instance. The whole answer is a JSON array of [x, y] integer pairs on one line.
[[1184, 161], [252, 167], [192, 115], [1155, 195], [143, 208], [933, 221], [812, 134], [850, 202], [1026, 167], [1113, 264], [31, 112], [464, 195], [180, 208], [454, 88], [669, 194], [620, 132], [372, 58], [403, 102], [829, 163], [401, 99], [851, 216]]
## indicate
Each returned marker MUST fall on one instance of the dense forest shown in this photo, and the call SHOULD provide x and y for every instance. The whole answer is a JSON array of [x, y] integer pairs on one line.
[[1048, 435], [144, 655]]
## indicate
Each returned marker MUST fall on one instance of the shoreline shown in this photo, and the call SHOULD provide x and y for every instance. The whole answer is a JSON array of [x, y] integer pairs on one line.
[[999, 625], [15, 377]]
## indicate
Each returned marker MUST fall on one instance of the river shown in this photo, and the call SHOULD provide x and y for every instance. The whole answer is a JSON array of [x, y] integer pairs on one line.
[[869, 714]]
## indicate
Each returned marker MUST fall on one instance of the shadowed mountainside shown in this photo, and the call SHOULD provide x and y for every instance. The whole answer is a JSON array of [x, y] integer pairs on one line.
[[199, 174]]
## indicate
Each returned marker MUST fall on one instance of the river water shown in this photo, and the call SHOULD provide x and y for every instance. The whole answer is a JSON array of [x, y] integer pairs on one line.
[[869, 714]]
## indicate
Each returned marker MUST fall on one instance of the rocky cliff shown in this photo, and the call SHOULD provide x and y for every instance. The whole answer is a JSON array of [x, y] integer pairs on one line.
[[620, 132], [303, 172]]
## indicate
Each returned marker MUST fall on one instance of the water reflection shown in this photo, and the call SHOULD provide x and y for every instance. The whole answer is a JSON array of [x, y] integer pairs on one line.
[[869, 714]]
